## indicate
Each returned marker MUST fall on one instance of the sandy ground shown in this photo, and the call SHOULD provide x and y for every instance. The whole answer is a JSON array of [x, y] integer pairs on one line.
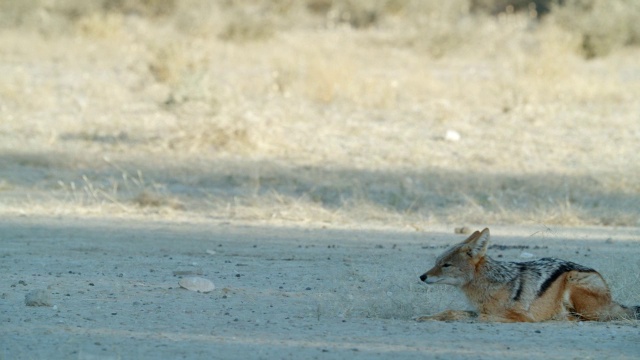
[[281, 292]]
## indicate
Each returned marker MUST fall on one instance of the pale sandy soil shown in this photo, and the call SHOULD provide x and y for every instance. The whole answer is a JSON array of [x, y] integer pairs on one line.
[[281, 292]]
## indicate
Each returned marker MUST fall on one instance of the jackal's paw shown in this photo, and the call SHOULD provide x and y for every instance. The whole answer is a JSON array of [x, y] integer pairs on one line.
[[449, 315], [424, 318]]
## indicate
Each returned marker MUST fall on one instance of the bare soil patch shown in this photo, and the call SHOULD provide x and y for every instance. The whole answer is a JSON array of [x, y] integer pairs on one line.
[[281, 292]]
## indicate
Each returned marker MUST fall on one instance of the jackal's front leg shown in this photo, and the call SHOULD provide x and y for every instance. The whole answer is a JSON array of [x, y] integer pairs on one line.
[[449, 315], [457, 315]]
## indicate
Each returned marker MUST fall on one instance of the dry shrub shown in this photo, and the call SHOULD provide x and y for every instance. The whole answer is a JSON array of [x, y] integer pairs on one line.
[[180, 66], [256, 20], [362, 14], [18, 13], [247, 27], [602, 25], [61, 16], [327, 79], [47, 18], [234, 135], [358, 14], [154, 199], [101, 25], [172, 61], [145, 8], [436, 27], [495, 7]]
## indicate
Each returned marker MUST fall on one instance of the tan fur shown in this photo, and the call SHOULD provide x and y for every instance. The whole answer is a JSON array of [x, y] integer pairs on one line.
[[545, 289]]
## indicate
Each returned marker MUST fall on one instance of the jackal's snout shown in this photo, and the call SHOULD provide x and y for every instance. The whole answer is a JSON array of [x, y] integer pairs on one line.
[[423, 277]]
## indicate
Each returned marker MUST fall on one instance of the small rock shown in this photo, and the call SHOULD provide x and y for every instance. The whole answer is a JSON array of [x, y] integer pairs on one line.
[[38, 298], [526, 255], [197, 284], [452, 135], [462, 230]]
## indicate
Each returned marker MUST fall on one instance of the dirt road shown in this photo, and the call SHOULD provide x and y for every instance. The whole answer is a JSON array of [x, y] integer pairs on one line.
[[281, 292]]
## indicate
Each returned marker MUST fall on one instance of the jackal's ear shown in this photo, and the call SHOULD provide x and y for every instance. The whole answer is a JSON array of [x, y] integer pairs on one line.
[[472, 237], [477, 245]]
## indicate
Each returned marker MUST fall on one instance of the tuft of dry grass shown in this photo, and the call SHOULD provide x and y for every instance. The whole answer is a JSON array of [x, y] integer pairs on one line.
[[246, 27], [150, 199]]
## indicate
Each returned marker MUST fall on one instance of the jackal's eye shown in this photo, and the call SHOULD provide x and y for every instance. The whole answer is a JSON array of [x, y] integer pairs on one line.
[[446, 265]]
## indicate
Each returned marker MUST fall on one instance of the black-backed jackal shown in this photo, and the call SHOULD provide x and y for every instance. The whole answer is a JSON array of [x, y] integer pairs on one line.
[[545, 289]]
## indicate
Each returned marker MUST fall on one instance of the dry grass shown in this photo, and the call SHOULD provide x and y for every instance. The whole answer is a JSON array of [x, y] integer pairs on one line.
[[322, 111]]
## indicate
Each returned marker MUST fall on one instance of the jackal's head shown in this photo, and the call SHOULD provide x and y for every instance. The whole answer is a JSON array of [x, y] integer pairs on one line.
[[457, 265]]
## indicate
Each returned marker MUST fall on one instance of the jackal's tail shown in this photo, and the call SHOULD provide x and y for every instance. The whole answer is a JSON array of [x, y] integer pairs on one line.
[[616, 311], [633, 312]]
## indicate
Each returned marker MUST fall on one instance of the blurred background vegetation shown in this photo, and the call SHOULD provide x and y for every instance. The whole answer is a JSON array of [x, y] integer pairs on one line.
[[416, 111], [601, 25]]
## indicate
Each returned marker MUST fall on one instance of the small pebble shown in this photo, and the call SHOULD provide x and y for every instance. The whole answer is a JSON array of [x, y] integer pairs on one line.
[[452, 135], [462, 230], [38, 298], [197, 284]]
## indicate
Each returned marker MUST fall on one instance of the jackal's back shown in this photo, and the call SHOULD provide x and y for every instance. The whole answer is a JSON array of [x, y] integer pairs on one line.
[[531, 279]]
